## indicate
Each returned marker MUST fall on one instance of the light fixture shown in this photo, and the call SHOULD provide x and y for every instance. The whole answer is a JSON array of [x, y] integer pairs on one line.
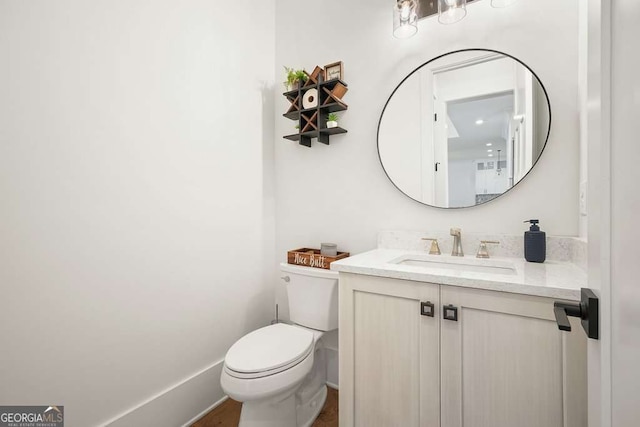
[[479, 121], [490, 155], [502, 3], [451, 11], [406, 13], [489, 151], [489, 144], [405, 18]]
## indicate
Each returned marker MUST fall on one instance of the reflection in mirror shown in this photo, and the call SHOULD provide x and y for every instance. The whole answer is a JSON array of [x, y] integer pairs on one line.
[[464, 128]]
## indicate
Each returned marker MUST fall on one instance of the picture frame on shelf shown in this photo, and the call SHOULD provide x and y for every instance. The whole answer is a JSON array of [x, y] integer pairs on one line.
[[334, 71]]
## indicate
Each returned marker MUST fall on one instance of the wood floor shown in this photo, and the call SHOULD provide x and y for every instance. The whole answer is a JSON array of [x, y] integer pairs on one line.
[[228, 414]]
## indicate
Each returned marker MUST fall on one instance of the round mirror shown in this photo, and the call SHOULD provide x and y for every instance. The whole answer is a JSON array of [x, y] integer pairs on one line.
[[464, 128]]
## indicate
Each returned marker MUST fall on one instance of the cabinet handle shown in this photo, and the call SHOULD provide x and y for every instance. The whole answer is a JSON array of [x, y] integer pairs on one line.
[[427, 309], [449, 312]]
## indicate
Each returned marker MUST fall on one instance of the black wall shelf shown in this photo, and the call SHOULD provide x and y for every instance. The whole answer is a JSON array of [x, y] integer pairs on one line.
[[312, 122]]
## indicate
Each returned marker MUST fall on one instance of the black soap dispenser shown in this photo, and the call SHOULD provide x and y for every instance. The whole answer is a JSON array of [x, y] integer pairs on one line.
[[535, 243]]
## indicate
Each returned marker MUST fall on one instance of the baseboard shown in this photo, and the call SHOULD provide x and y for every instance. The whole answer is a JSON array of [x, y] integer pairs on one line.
[[197, 394], [176, 405], [205, 411]]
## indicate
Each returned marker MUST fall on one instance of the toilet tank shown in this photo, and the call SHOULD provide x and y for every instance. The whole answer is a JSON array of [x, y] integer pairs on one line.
[[313, 296]]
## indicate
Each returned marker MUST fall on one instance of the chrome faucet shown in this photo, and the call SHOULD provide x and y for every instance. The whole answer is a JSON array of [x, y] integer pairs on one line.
[[457, 242]]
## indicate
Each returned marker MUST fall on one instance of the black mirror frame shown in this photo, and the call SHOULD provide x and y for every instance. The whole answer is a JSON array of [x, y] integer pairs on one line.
[[435, 59]]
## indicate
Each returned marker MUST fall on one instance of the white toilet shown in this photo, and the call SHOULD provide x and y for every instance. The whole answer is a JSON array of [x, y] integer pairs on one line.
[[279, 371]]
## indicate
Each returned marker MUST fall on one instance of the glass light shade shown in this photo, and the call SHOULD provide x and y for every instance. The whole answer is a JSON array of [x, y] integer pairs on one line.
[[405, 18], [502, 3], [451, 11]]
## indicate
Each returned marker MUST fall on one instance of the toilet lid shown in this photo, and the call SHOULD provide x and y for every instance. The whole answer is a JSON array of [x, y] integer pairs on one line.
[[269, 348]]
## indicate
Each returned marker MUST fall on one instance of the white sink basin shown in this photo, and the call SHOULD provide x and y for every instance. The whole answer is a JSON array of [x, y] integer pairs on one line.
[[472, 265]]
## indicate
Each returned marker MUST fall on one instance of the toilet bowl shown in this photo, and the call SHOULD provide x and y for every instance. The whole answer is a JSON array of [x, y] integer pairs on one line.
[[278, 372]]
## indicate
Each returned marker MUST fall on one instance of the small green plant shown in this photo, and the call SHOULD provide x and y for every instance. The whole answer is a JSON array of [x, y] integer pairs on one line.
[[332, 117], [297, 127], [294, 76]]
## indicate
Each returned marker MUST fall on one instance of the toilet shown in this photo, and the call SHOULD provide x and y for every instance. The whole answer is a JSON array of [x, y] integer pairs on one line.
[[278, 372]]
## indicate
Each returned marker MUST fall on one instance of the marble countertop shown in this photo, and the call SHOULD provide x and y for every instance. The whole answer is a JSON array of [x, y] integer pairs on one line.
[[552, 279]]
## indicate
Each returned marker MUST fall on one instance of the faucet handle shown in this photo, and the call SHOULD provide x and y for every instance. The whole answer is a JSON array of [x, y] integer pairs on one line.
[[455, 231], [435, 248], [483, 252]]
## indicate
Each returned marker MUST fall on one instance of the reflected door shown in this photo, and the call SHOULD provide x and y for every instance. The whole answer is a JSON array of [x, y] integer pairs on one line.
[[441, 153]]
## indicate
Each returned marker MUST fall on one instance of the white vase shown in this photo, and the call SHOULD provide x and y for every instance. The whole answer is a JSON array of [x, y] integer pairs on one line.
[[332, 124]]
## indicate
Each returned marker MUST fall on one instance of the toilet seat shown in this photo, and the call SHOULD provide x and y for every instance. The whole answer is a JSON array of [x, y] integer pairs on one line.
[[268, 351]]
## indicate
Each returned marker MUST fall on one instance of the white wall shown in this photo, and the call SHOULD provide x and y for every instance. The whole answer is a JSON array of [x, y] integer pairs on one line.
[[462, 182], [481, 79], [340, 192], [583, 73], [402, 140], [135, 151]]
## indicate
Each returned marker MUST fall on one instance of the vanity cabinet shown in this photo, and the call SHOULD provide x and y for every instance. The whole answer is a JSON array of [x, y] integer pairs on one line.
[[502, 363], [389, 353]]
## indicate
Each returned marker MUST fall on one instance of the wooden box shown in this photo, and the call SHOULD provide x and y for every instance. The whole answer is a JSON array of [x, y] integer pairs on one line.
[[311, 258]]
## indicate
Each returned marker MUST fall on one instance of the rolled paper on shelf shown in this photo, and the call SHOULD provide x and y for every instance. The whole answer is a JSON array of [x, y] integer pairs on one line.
[[310, 99]]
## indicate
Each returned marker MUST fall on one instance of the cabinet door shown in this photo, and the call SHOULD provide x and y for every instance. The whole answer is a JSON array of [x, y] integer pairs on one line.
[[505, 363], [389, 353]]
